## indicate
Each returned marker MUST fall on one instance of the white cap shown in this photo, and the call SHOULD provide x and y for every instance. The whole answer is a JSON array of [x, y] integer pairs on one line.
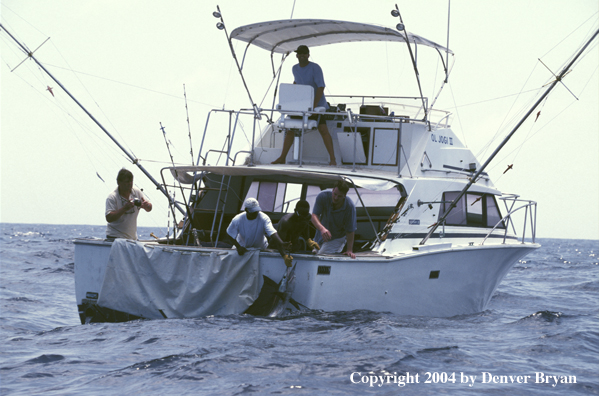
[[251, 205]]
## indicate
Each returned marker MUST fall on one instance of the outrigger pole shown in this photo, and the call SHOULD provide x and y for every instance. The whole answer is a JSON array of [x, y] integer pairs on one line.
[[401, 27], [473, 179], [129, 155], [221, 26]]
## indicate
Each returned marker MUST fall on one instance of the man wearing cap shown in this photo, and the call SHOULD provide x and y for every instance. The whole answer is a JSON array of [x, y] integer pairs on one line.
[[310, 73], [250, 228], [294, 228]]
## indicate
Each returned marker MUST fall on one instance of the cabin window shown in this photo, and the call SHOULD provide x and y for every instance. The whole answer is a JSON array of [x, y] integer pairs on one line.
[[267, 195], [472, 210], [275, 197], [493, 214], [458, 215], [311, 193]]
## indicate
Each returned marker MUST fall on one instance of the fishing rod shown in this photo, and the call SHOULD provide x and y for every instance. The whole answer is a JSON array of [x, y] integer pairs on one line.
[[176, 174], [473, 179], [132, 158], [188, 126]]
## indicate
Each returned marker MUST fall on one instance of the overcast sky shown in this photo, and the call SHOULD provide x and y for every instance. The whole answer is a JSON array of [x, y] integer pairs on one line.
[[127, 61]]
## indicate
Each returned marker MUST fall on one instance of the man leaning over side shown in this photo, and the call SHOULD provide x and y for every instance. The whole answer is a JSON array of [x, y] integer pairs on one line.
[[294, 228], [250, 228], [334, 217]]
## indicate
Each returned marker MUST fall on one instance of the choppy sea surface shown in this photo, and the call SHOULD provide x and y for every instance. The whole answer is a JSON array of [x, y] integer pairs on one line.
[[541, 326]]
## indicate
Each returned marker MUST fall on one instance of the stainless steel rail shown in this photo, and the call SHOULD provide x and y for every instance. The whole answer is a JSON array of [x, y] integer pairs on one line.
[[530, 216]]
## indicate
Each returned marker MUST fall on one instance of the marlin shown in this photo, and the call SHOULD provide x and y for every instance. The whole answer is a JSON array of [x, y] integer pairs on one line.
[[283, 295]]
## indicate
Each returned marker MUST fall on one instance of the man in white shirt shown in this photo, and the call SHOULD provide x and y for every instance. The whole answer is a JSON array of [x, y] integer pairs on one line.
[[250, 228], [122, 207]]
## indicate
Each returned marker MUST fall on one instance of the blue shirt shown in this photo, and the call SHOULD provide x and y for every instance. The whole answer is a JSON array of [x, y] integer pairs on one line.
[[310, 75], [339, 222]]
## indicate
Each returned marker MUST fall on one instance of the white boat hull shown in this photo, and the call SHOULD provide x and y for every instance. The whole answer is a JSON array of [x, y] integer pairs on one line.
[[441, 283]]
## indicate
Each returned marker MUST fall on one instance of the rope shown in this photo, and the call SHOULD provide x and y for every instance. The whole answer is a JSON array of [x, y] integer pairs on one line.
[[132, 85], [457, 114]]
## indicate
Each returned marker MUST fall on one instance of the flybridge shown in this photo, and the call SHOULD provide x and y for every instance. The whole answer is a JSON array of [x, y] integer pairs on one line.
[[284, 36]]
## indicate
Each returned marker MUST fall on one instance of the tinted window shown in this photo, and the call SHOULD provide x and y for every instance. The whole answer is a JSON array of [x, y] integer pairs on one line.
[[472, 210], [493, 214]]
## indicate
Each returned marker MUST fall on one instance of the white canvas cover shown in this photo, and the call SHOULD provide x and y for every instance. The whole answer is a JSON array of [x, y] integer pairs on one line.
[[143, 280], [284, 36]]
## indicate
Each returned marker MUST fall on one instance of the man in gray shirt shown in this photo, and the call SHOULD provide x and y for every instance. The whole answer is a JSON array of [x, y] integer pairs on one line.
[[310, 73], [334, 217]]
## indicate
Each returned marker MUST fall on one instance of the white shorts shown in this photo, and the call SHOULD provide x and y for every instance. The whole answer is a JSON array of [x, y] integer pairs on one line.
[[333, 247]]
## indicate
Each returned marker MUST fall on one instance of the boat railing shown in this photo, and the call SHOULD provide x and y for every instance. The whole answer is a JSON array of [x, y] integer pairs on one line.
[[337, 112], [530, 217], [396, 105], [401, 113], [233, 123], [446, 118], [216, 151]]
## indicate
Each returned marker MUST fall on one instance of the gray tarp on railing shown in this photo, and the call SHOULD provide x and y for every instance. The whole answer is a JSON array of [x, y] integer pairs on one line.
[[144, 280]]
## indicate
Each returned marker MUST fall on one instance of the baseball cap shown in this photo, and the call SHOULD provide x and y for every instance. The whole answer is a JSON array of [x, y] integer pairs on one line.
[[251, 205]]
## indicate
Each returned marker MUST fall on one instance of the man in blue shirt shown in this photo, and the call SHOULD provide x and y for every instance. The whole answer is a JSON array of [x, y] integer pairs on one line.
[[334, 217], [309, 73]]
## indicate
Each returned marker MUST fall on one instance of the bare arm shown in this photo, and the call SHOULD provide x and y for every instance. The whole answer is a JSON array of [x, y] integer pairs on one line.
[[117, 214], [279, 244], [350, 245], [326, 234], [146, 205], [240, 249]]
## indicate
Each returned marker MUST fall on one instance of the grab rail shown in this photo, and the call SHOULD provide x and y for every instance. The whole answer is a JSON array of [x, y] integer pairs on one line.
[[215, 151], [529, 216], [446, 118]]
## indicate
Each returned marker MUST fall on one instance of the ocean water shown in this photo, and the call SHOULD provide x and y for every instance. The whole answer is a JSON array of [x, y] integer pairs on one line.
[[541, 325]]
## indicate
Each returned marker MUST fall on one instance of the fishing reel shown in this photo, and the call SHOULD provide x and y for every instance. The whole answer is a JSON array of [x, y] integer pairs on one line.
[[137, 202]]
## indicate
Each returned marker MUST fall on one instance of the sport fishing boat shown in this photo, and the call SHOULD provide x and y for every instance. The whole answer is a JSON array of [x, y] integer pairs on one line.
[[435, 237]]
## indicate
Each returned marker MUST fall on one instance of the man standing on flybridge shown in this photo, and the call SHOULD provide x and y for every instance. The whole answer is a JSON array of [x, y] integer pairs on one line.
[[309, 73], [122, 207]]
